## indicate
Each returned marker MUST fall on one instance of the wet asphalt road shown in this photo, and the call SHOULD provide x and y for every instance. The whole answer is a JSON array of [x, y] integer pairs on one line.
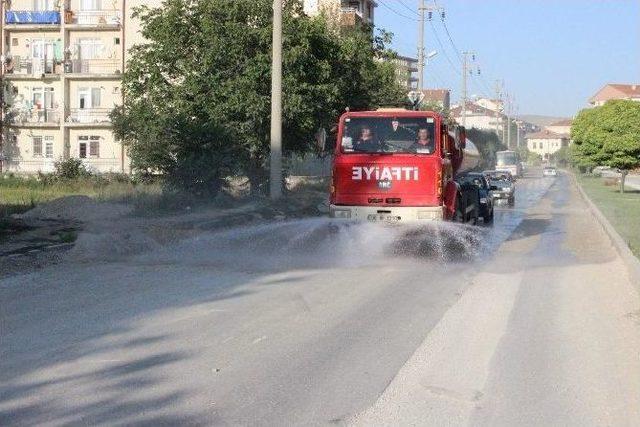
[[304, 323]]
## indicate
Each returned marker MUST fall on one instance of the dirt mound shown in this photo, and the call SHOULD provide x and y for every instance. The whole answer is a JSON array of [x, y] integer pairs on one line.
[[79, 208]]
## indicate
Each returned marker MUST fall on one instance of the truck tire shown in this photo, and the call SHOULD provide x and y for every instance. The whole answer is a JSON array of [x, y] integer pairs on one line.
[[489, 218]]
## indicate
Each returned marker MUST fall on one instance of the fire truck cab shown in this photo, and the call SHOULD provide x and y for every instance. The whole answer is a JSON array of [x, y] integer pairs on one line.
[[398, 165]]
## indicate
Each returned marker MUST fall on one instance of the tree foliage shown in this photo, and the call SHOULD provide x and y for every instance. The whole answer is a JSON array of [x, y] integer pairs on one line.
[[198, 93], [608, 135], [488, 144]]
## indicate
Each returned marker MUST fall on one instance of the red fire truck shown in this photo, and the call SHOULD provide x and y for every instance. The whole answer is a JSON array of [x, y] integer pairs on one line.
[[398, 165]]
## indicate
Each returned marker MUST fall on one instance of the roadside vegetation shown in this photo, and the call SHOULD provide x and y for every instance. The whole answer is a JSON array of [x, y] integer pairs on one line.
[[607, 136], [71, 178], [622, 210]]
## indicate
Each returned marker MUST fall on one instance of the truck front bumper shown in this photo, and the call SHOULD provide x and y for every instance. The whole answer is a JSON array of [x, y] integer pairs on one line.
[[387, 214]]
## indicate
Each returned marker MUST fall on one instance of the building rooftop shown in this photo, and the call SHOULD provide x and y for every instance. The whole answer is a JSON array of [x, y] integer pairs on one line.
[[474, 109], [616, 91], [546, 134]]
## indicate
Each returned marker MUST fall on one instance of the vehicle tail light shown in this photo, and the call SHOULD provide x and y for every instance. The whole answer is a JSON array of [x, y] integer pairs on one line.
[[439, 183]]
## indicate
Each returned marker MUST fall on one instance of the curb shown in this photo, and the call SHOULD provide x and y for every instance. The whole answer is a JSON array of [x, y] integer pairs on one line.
[[631, 261]]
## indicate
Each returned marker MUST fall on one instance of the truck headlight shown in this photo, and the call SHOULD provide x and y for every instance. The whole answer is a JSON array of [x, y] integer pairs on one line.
[[341, 213]]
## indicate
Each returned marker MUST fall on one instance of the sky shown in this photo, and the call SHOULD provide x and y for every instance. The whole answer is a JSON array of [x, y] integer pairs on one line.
[[552, 55]]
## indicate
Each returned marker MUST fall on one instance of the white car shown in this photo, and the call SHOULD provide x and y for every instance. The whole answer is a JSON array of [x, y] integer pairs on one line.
[[549, 171]]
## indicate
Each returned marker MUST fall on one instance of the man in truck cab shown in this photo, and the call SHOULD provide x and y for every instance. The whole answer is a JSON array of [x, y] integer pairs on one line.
[[366, 142], [424, 144]]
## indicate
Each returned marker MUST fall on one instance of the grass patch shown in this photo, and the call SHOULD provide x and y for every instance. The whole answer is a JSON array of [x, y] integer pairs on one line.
[[18, 195], [622, 210]]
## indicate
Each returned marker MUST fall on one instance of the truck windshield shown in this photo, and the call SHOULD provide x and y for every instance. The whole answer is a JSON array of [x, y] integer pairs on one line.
[[505, 158], [389, 135]]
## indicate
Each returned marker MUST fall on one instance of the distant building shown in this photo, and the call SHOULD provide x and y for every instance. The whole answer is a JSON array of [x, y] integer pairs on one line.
[[491, 104], [347, 13], [546, 142], [440, 97], [615, 91], [480, 117], [406, 68], [562, 127]]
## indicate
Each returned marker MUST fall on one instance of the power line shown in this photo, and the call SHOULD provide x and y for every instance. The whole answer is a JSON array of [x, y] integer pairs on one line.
[[444, 51], [407, 7], [397, 13]]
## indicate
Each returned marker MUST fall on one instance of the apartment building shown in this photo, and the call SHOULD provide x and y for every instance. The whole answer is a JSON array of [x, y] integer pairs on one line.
[[345, 12], [62, 64], [406, 69]]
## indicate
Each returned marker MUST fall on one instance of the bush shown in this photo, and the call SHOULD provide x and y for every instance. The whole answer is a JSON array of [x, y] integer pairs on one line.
[[71, 169]]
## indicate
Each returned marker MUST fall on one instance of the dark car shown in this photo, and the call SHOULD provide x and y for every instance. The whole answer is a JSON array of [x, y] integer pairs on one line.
[[503, 190], [493, 175], [484, 193]]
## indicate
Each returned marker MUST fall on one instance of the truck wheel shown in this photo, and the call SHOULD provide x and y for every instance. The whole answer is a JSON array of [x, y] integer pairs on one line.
[[489, 218], [458, 217]]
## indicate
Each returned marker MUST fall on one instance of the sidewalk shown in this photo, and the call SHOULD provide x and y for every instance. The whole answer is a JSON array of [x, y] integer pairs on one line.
[[633, 181]]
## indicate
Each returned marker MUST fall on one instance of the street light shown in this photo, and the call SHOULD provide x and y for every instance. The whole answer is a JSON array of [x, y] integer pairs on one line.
[[275, 161]]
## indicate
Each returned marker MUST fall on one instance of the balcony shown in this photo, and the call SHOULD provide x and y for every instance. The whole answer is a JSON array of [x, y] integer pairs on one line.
[[89, 116], [93, 68], [29, 19], [30, 68], [92, 19], [34, 117], [352, 17]]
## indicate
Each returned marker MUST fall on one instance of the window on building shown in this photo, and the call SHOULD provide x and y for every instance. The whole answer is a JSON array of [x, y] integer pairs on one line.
[[94, 146], [90, 4], [37, 146], [89, 146], [90, 48], [41, 5], [89, 97], [48, 147], [43, 97]]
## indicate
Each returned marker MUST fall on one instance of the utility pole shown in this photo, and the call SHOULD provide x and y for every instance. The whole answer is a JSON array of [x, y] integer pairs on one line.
[[505, 95], [422, 10], [275, 178], [509, 121], [465, 67], [498, 103]]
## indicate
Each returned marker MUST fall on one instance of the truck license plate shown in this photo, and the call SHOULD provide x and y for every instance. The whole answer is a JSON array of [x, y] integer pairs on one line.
[[379, 217]]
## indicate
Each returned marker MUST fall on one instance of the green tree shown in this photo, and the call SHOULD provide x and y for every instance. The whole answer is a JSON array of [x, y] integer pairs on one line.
[[488, 144], [198, 93], [608, 135]]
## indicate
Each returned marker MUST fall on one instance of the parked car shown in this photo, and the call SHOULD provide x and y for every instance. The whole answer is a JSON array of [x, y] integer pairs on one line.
[[484, 193], [549, 171], [502, 190], [493, 175]]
